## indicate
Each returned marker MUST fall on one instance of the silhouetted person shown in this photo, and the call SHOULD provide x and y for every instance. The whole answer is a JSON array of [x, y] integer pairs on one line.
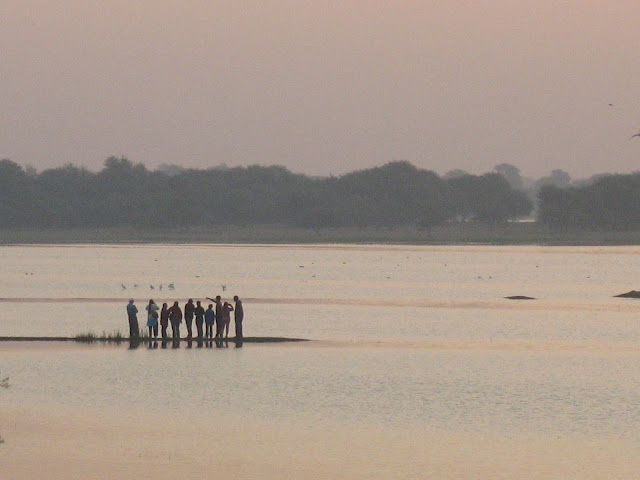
[[219, 319], [152, 318], [188, 316], [209, 320], [199, 314], [239, 316], [132, 313], [227, 308], [164, 320], [175, 317]]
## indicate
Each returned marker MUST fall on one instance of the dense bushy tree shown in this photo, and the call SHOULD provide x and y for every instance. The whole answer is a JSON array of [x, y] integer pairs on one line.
[[610, 202], [511, 174], [487, 198], [127, 194], [17, 205]]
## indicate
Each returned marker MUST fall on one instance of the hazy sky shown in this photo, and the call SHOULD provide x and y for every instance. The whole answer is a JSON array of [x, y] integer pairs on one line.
[[323, 86]]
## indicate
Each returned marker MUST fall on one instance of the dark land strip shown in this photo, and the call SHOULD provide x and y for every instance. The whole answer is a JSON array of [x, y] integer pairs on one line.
[[168, 339]]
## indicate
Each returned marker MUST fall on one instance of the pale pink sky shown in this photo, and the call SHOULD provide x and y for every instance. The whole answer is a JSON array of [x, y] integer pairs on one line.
[[323, 86]]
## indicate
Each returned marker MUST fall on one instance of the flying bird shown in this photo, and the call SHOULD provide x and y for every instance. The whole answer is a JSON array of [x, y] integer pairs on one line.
[[636, 135]]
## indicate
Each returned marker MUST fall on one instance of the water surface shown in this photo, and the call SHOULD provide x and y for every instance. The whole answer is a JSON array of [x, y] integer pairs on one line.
[[415, 342]]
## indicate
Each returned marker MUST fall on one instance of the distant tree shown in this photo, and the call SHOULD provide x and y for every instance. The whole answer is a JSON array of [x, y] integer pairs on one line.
[[431, 217], [67, 197], [124, 193], [456, 173], [511, 173], [170, 169], [307, 210], [17, 195], [614, 202], [488, 198], [611, 202], [555, 206], [398, 193], [496, 202], [557, 178]]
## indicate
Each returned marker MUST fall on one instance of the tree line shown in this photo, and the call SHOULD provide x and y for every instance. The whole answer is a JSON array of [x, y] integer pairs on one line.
[[128, 194], [608, 202], [396, 194]]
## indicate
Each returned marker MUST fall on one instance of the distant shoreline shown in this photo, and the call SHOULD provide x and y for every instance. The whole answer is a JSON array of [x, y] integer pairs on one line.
[[516, 233]]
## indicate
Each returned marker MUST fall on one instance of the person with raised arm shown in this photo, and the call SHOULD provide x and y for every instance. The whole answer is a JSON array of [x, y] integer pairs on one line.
[[227, 308]]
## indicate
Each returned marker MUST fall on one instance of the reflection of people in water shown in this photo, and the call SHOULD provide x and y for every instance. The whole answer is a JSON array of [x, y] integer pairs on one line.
[[199, 314], [209, 320], [227, 308]]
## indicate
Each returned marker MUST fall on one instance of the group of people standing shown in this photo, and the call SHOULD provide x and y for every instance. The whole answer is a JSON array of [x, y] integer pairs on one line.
[[218, 318]]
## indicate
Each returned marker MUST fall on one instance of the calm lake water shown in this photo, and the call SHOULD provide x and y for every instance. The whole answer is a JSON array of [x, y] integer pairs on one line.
[[406, 340]]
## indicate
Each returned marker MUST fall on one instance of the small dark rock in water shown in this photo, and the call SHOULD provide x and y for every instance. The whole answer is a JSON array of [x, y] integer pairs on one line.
[[520, 297], [631, 294]]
